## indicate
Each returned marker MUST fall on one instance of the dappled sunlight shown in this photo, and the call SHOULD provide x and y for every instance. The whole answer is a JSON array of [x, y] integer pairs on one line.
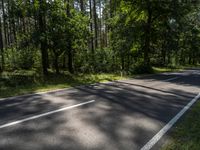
[[95, 74], [124, 114]]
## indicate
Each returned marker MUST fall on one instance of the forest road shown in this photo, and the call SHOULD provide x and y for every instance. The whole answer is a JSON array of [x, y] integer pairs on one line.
[[119, 115]]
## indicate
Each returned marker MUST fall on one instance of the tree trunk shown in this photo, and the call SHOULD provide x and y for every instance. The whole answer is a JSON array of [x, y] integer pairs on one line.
[[92, 38], [4, 23], [169, 58], [1, 48], [11, 28], [69, 46], [111, 8], [147, 34], [43, 40], [95, 24], [100, 34], [14, 31], [56, 62], [163, 53], [82, 6], [70, 60], [91, 28], [193, 57], [122, 62]]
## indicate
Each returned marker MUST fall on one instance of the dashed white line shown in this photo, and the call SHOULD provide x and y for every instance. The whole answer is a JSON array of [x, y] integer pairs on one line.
[[162, 132], [170, 79], [44, 114]]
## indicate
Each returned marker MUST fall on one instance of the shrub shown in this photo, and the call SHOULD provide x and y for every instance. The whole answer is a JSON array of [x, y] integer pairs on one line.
[[141, 68]]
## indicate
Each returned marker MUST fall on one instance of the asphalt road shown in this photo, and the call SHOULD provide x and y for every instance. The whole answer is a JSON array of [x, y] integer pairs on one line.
[[124, 115]]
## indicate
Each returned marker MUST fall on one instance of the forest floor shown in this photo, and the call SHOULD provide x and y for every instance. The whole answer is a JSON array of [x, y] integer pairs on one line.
[[13, 84], [186, 134], [25, 82]]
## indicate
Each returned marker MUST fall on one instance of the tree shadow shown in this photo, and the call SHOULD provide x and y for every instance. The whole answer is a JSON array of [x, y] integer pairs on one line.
[[124, 116], [189, 77]]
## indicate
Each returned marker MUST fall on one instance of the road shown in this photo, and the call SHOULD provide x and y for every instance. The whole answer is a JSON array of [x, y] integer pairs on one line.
[[120, 115]]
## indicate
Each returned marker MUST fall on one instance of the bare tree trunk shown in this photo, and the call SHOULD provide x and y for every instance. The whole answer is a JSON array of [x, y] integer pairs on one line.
[[11, 34], [4, 23], [69, 46], [1, 48], [163, 53], [14, 30], [111, 8], [56, 61], [91, 28], [100, 26], [95, 24], [82, 6], [43, 40], [148, 34]]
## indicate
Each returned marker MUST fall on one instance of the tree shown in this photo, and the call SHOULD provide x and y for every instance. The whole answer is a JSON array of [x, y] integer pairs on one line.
[[82, 6], [98, 35], [1, 48], [95, 24], [42, 31], [91, 28], [69, 42]]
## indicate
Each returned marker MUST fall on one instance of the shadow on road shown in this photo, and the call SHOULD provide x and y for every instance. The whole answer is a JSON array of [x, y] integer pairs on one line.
[[124, 116]]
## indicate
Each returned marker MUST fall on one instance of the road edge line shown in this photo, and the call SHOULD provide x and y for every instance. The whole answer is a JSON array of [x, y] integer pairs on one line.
[[169, 125], [170, 79]]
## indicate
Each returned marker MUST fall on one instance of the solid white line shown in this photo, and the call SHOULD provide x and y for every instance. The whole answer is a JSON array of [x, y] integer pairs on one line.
[[44, 114], [162, 132]]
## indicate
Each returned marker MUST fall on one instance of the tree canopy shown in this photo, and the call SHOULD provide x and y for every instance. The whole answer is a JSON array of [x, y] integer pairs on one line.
[[84, 36]]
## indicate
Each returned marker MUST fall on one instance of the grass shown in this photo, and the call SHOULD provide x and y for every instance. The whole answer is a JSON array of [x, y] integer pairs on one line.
[[24, 82], [166, 69], [192, 66], [186, 135]]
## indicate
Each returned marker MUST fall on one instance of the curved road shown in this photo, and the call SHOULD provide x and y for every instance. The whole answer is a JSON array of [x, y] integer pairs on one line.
[[120, 115]]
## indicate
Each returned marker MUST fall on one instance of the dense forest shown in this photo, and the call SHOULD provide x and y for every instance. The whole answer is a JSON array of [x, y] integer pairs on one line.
[[93, 36]]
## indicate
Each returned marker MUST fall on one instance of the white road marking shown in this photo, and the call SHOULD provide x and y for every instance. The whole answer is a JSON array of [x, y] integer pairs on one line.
[[166, 80], [44, 114], [196, 72], [168, 126], [170, 79]]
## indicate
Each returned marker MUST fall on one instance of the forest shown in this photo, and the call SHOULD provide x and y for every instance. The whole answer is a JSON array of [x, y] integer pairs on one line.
[[98, 36]]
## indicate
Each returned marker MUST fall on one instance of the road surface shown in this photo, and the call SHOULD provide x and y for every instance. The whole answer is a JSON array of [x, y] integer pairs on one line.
[[119, 115]]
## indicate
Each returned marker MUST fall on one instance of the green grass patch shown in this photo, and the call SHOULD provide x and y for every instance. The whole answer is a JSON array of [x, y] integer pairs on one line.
[[193, 66], [186, 135], [22, 82], [166, 69]]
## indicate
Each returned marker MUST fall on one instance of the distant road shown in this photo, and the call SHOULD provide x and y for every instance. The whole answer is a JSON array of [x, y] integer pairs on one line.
[[120, 115]]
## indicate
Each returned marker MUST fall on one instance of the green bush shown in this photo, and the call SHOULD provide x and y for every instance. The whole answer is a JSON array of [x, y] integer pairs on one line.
[[141, 68], [20, 59]]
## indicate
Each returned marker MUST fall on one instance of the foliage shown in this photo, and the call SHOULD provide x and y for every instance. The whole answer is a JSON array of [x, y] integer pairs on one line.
[[98, 36], [141, 68]]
